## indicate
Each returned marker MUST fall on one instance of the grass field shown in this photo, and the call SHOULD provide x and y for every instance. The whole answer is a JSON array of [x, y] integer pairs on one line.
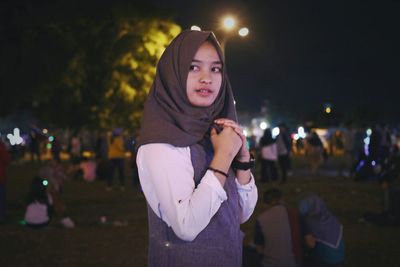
[[123, 241]]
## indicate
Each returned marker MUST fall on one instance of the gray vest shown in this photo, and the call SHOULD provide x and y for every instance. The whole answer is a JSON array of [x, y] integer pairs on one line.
[[219, 244]]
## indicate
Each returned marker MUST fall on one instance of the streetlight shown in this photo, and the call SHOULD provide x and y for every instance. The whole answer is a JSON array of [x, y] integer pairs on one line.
[[327, 108], [229, 25], [243, 32]]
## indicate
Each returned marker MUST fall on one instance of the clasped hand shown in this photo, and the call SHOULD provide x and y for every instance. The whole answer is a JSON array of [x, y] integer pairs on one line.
[[230, 140]]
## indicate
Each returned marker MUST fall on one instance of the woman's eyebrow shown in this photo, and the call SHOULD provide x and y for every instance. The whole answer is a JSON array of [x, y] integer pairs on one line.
[[214, 62]]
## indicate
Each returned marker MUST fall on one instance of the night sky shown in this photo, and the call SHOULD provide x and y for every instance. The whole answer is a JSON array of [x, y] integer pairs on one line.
[[301, 54]]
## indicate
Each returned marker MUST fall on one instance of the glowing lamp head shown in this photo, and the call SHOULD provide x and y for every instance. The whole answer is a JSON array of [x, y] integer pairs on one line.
[[243, 32], [229, 23], [45, 182]]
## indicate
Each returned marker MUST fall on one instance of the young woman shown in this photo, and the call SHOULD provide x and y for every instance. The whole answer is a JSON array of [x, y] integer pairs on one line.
[[187, 144]]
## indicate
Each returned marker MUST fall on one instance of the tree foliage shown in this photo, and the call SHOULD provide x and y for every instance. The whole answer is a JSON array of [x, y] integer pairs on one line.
[[92, 69]]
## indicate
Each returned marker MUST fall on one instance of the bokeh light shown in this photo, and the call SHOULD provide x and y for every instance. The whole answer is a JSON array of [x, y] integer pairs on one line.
[[243, 32]]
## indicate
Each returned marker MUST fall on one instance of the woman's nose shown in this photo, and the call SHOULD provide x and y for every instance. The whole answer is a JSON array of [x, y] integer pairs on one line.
[[205, 77]]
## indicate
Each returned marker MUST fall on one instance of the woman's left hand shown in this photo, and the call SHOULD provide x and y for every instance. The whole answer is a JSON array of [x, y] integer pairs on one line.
[[244, 154]]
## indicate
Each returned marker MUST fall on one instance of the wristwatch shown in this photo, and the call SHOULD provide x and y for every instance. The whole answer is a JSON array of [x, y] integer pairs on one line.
[[238, 165]]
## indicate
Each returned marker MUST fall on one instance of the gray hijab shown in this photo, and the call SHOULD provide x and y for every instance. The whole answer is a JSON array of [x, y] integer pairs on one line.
[[168, 115]]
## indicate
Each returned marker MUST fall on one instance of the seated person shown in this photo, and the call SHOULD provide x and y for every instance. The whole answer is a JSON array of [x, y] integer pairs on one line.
[[39, 209], [277, 232], [323, 233], [55, 176]]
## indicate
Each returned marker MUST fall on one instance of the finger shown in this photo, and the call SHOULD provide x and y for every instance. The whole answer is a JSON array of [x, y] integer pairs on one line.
[[235, 127], [227, 122], [232, 125], [239, 131], [231, 131], [242, 136], [213, 132], [223, 120]]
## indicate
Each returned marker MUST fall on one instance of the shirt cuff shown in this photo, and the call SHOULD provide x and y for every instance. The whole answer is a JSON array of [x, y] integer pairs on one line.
[[212, 181], [246, 187]]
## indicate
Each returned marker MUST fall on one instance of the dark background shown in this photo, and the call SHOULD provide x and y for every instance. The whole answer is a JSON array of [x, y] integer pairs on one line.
[[299, 55], [302, 54]]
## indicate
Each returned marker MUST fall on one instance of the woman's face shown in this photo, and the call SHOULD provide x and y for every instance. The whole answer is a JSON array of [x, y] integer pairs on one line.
[[205, 76]]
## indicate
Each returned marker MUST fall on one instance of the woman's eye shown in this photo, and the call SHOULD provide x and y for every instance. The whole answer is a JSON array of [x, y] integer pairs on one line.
[[193, 68], [216, 69]]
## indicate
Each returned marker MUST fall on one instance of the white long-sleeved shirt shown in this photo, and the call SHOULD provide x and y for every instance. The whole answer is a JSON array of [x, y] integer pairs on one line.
[[167, 179]]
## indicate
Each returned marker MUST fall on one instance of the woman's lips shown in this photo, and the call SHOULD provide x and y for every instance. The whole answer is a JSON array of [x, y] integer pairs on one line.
[[204, 92]]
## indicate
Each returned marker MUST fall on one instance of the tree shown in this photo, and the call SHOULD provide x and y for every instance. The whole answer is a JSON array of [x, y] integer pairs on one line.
[[110, 76], [93, 67]]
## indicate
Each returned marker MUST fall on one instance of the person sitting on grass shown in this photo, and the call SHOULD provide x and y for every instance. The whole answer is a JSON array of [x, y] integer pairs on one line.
[[55, 176], [40, 204], [323, 233], [277, 232]]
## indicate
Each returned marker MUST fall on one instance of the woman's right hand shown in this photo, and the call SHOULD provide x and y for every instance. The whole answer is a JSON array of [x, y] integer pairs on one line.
[[227, 143]]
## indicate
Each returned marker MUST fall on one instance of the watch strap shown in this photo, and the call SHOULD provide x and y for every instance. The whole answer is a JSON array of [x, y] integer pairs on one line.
[[238, 165]]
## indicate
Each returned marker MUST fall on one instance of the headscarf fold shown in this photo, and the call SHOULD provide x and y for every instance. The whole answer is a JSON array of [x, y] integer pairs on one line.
[[168, 115]]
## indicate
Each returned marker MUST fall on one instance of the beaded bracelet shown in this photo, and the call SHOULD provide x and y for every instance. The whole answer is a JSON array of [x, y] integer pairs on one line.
[[218, 171]]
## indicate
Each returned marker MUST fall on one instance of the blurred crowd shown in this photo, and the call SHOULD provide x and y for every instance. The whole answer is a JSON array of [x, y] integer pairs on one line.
[[366, 151], [63, 155]]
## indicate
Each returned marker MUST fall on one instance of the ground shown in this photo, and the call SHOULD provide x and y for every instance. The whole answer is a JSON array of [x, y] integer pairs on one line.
[[122, 240]]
